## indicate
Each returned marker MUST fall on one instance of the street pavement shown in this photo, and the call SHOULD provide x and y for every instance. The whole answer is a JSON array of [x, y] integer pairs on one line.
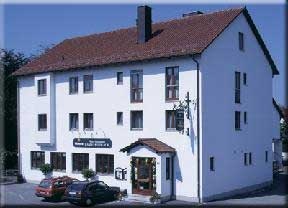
[[23, 194]]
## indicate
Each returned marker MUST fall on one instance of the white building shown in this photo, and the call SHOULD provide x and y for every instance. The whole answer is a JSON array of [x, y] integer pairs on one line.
[[105, 102]]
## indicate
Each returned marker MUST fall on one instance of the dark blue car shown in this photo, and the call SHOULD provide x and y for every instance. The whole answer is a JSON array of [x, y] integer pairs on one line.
[[90, 193]]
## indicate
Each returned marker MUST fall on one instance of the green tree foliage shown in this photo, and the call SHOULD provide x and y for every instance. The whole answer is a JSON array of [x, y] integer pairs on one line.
[[46, 169], [88, 173], [284, 135]]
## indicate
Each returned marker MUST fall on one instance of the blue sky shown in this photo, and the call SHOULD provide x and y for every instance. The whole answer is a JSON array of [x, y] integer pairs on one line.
[[26, 27]]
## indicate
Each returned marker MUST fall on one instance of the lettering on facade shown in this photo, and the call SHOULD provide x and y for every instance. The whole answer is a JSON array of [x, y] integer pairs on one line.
[[92, 142]]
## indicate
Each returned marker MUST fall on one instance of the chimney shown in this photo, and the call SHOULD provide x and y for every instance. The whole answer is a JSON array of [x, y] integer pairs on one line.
[[144, 24]]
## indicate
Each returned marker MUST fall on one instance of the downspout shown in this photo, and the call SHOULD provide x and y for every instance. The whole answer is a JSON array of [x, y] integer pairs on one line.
[[198, 131], [18, 130], [172, 177]]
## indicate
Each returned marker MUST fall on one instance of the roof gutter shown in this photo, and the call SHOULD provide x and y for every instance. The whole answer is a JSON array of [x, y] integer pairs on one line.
[[198, 128]]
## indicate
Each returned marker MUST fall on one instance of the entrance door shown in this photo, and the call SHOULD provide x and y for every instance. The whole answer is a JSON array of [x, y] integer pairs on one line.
[[142, 179]]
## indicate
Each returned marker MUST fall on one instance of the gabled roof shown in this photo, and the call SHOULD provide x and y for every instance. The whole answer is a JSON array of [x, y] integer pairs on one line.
[[179, 37], [278, 108], [152, 143]]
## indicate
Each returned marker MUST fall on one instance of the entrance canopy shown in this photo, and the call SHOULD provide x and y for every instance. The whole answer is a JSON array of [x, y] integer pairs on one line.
[[152, 143]]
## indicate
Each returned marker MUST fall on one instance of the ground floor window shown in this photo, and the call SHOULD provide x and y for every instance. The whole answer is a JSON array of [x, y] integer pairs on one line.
[[58, 161], [37, 159], [104, 164], [167, 168], [80, 161]]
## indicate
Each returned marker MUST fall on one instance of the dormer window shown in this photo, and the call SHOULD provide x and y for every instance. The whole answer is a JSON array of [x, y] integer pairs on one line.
[[42, 87]]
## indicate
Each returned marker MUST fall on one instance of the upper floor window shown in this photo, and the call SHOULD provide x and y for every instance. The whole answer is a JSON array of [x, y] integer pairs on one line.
[[104, 164], [119, 78], [237, 120], [119, 118], [212, 167], [42, 86], [136, 120], [137, 86], [88, 83], [172, 83], [241, 41], [245, 158], [170, 120], [237, 87], [88, 121], [42, 122], [245, 117], [266, 156], [73, 121], [244, 78], [73, 85], [37, 159]]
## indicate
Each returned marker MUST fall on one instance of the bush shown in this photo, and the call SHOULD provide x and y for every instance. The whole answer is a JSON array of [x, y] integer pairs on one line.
[[155, 197], [46, 169], [88, 173]]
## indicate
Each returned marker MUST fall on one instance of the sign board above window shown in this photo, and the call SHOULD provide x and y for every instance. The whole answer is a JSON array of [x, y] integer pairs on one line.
[[92, 142]]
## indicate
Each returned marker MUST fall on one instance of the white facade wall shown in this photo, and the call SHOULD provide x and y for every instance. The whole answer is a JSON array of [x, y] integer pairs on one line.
[[220, 139], [107, 99]]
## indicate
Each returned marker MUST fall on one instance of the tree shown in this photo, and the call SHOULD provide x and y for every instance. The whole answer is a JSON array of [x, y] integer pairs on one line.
[[88, 174], [11, 61], [284, 135], [46, 169]]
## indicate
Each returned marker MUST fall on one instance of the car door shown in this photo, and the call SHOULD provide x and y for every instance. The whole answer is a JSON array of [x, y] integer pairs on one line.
[[100, 192]]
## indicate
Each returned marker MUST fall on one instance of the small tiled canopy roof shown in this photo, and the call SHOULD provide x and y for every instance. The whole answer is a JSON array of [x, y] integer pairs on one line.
[[154, 144], [179, 37]]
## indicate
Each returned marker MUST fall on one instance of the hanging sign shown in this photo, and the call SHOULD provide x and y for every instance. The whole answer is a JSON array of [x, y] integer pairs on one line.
[[92, 142]]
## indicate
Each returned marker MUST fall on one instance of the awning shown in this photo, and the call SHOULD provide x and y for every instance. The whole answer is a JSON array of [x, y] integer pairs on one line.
[[154, 144]]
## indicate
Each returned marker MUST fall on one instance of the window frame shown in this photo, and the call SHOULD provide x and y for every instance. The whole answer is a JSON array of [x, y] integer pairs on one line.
[[73, 80], [237, 86], [109, 159], [86, 116], [83, 157], [237, 121], [40, 128], [58, 158], [119, 119], [167, 112], [138, 89], [42, 83], [131, 121], [119, 76], [86, 78], [241, 41], [175, 92], [38, 163]]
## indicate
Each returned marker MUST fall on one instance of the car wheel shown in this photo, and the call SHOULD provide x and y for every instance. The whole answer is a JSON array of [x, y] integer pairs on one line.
[[89, 202]]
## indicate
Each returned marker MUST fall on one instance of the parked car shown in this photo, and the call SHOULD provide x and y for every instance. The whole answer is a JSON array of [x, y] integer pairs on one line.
[[53, 188], [90, 193]]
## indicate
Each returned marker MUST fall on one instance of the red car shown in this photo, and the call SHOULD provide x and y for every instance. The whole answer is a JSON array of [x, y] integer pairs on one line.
[[53, 188]]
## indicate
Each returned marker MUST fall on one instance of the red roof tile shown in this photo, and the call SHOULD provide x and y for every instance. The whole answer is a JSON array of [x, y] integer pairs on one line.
[[154, 144], [189, 35]]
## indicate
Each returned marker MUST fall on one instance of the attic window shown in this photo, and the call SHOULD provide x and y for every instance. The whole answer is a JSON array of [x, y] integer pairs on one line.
[[241, 41]]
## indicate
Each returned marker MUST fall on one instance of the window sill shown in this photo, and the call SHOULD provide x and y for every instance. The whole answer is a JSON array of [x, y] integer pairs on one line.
[[42, 129], [35, 168], [140, 101], [87, 129], [88, 92], [73, 129], [119, 124], [137, 129], [76, 172], [238, 103], [60, 171], [171, 100], [171, 130], [238, 129], [73, 93], [42, 95]]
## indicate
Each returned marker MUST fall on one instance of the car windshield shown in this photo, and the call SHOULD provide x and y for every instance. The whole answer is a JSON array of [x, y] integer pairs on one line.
[[45, 184], [76, 187]]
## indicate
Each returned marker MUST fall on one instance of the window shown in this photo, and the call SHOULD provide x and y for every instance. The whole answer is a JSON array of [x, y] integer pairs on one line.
[[237, 87], [58, 160], [245, 117], [237, 120], [104, 164], [42, 88], [245, 159], [119, 78], [119, 118], [241, 41], [212, 168], [250, 158], [168, 168], [37, 159], [244, 78], [172, 83], [170, 120], [88, 121], [42, 122], [73, 85], [73, 121], [80, 161], [136, 120], [266, 156], [88, 83], [136, 86]]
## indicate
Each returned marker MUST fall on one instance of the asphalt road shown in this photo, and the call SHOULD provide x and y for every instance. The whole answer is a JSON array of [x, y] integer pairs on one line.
[[23, 194]]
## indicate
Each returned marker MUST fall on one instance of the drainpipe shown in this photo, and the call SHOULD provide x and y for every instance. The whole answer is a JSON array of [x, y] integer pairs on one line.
[[198, 130], [172, 177]]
